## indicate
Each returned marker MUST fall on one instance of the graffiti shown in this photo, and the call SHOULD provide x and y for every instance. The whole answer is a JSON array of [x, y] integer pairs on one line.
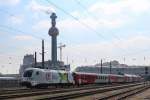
[[63, 77]]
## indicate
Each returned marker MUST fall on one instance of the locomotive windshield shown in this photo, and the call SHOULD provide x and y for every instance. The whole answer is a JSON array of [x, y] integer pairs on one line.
[[28, 73]]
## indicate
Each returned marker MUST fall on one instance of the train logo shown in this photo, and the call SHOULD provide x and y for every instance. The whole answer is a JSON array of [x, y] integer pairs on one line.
[[63, 77], [48, 76]]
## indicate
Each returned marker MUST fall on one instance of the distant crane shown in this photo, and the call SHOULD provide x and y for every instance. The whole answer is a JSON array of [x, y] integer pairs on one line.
[[60, 47]]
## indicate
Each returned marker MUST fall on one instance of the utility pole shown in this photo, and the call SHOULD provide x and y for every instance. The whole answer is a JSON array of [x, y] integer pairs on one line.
[[43, 53], [60, 47], [101, 66], [35, 60], [110, 68]]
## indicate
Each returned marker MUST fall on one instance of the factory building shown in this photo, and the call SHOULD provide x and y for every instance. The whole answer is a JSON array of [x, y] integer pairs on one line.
[[138, 70], [28, 62], [116, 68]]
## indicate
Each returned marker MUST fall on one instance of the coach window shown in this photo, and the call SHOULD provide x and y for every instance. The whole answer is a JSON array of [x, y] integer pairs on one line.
[[84, 76], [37, 73]]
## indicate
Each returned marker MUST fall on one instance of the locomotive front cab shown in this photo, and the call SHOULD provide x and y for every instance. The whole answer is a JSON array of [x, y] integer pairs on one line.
[[27, 78]]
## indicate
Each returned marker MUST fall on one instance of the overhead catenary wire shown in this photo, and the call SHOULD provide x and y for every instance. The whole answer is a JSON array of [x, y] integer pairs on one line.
[[85, 25], [93, 16], [89, 13], [20, 31], [75, 18], [13, 15], [17, 30]]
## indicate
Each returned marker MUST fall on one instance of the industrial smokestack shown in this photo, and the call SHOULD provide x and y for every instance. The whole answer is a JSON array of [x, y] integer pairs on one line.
[[35, 60], [43, 53]]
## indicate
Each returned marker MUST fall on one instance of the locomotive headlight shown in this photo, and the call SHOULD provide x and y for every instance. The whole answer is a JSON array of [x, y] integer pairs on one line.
[[30, 78], [33, 83]]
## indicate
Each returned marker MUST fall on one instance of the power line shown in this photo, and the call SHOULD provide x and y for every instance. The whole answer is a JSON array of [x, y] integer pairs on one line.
[[75, 18], [85, 8], [20, 31], [9, 56], [4, 11], [93, 16], [138, 52], [17, 30], [10, 14], [85, 25]]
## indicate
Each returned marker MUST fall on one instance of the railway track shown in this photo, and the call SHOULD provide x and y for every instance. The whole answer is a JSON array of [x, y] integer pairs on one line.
[[33, 92], [23, 90], [81, 93], [124, 93], [70, 93], [15, 91]]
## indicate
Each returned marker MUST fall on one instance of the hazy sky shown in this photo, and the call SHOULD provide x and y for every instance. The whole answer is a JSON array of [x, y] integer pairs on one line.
[[91, 29]]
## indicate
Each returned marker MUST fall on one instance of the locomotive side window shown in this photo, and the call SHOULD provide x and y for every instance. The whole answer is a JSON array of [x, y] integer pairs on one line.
[[28, 73], [37, 73]]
